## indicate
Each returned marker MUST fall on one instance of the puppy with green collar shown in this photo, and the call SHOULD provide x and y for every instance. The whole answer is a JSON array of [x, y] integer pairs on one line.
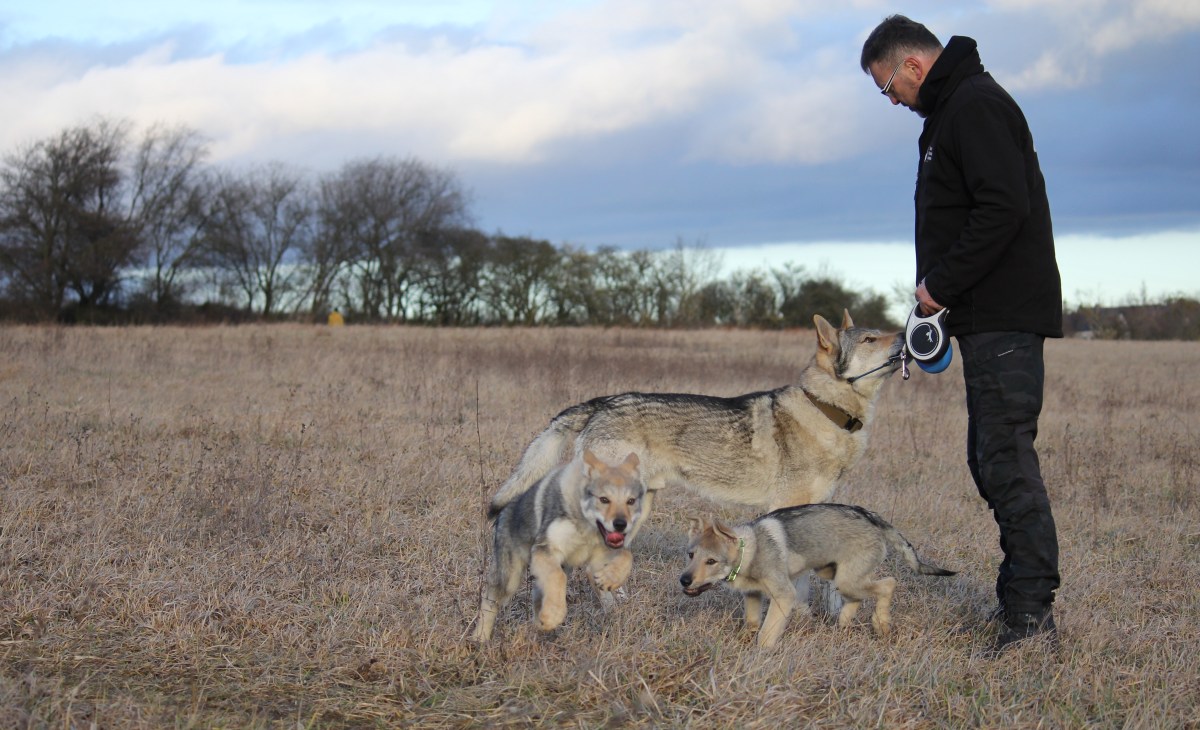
[[841, 543]]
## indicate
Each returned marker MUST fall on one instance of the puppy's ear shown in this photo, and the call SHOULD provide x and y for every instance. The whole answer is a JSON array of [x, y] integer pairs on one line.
[[847, 323], [695, 526], [724, 530], [630, 464], [827, 336], [592, 463]]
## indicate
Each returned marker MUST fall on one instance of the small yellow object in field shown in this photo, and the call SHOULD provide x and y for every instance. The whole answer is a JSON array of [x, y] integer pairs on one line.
[[336, 319]]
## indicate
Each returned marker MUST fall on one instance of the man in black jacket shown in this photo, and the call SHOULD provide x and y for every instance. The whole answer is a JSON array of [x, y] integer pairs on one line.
[[985, 250]]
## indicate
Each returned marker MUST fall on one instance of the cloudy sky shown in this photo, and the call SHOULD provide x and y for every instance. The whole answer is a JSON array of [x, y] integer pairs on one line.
[[744, 126]]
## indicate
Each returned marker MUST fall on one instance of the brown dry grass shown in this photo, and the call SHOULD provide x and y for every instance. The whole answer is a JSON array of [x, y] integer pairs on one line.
[[281, 526]]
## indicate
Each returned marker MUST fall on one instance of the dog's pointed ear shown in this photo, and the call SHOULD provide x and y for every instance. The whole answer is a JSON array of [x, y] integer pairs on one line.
[[847, 323], [695, 526], [592, 463], [724, 530], [827, 336], [630, 464]]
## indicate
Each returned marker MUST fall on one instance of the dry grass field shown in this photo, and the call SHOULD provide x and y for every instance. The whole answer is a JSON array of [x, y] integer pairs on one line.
[[281, 526]]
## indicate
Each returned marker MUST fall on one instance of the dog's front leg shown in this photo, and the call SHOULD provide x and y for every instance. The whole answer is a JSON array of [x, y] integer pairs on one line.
[[783, 600], [612, 570], [488, 608], [550, 591]]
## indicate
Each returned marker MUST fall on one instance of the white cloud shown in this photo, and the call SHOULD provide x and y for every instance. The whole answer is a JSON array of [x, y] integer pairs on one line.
[[586, 71], [1085, 31], [1051, 70], [750, 82]]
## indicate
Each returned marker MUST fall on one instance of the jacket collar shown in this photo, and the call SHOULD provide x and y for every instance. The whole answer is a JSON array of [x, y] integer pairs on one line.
[[958, 60]]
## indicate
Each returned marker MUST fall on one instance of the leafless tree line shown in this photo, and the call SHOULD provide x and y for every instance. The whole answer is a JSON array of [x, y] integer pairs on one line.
[[100, 224]]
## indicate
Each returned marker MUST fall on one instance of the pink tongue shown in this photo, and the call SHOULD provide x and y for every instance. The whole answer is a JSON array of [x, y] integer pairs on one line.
[[614, 539]]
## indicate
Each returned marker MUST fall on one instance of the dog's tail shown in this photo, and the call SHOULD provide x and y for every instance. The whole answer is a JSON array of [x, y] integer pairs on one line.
[[901, 545], [550, 448]]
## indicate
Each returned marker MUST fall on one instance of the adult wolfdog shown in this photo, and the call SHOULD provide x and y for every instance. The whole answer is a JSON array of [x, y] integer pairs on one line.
[[770, 449]]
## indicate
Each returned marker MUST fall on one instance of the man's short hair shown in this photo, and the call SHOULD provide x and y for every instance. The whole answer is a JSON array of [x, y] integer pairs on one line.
[[895, 36]]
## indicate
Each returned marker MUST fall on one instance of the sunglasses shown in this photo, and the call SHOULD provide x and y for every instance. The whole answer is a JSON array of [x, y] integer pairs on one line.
[[887, 88]]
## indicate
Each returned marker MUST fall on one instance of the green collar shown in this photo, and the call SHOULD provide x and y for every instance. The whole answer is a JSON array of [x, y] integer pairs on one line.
[[741, 549]]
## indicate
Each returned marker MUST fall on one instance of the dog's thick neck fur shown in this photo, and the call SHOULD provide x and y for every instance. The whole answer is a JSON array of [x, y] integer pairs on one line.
[[837, 391]]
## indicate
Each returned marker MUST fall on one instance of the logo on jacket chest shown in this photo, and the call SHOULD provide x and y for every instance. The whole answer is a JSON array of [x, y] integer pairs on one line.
[[928, 154]]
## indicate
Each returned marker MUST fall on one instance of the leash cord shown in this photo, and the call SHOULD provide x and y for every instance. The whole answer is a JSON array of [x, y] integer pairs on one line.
[[886, 363]]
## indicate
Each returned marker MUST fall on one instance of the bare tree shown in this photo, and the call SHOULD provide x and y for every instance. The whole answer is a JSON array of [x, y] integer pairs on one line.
[[802, 296], [375, 215], [335, 239], [756, 301], [520, 280], [678, 276], [573, 294], [63, 232], [169, 206], [451, 274], [259, 222]]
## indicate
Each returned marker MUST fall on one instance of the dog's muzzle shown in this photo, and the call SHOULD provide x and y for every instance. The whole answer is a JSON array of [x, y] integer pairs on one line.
[[685, 580], [614, 538]]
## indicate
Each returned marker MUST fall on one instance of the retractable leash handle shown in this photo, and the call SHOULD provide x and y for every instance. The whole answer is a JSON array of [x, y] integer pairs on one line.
[[926, 341]]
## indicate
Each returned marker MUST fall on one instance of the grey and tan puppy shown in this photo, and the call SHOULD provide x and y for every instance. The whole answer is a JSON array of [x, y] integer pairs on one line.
[[840, 542], [577, 516]]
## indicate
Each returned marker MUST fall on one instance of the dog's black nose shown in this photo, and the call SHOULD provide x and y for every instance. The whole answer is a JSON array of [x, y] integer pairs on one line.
[[685, 579], [619, 524]]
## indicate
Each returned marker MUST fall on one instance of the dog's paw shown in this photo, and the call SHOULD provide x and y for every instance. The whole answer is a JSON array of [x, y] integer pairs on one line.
[[551, 616], [613, 574], [609, 582]]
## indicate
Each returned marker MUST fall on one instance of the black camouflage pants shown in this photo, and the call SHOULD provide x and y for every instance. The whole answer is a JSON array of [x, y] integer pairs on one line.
[[1005, 376]]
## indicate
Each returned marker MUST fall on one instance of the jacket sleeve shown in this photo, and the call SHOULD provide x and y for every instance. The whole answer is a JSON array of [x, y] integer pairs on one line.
[[987, 139]]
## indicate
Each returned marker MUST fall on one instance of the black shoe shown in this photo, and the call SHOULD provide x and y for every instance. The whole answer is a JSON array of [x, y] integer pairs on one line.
[[1025, 627]]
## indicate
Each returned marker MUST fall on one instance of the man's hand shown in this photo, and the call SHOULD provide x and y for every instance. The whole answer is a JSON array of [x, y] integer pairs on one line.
[[926, 302]]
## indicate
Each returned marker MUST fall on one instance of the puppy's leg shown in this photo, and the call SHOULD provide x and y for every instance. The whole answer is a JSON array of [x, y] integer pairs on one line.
[[489, 606], [550, 589], [783, 600], [856, 587], [853, 583], [882, 589], [753, 610], [848, 612], [611, 570], [504, 578]]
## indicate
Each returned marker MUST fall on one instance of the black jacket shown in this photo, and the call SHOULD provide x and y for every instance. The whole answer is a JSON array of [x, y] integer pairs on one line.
[[985, 245]]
